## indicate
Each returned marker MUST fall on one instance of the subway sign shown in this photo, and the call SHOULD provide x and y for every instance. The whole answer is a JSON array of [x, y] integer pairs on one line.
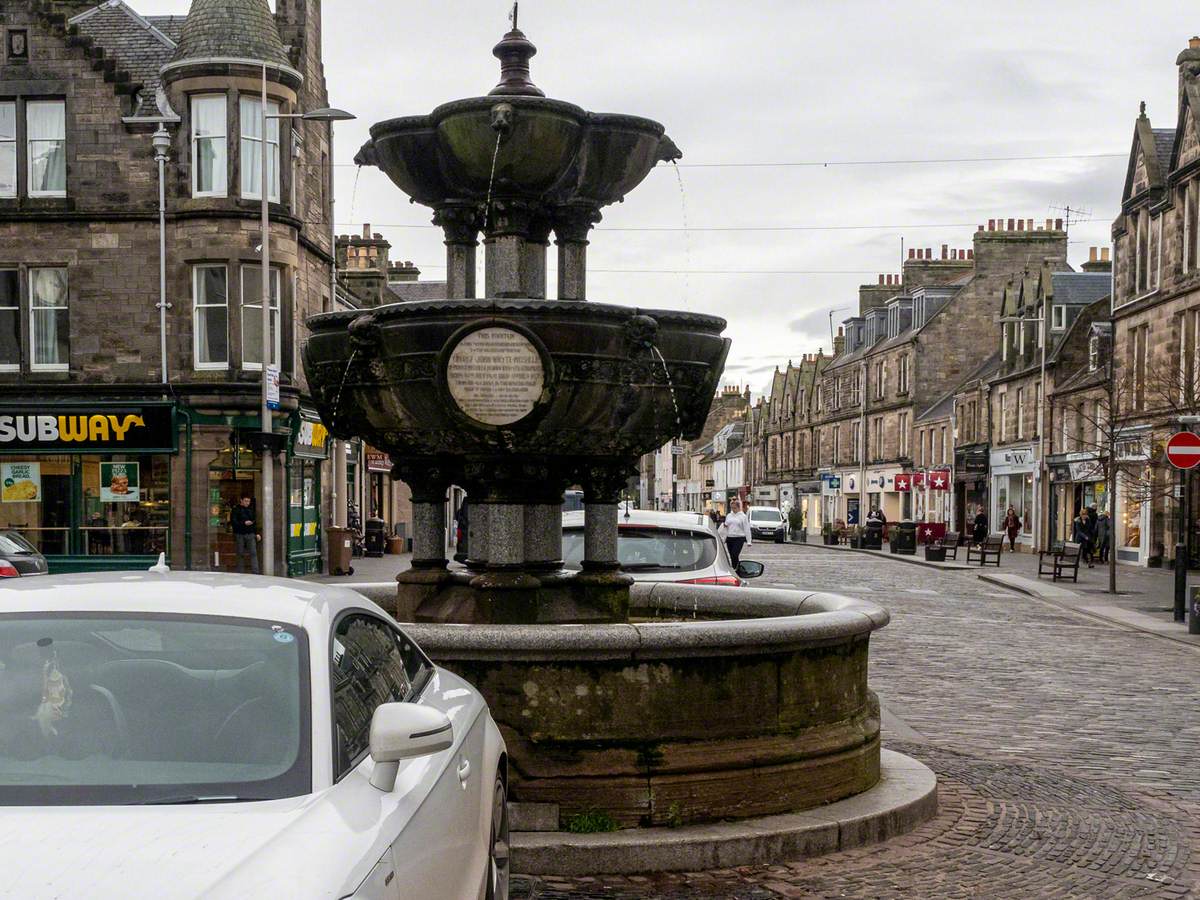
[[91, 429]]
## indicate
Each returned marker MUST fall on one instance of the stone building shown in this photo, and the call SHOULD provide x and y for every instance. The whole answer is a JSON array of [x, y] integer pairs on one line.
[[1156, 315], [146, 436], [785, 475], [1045, 317]]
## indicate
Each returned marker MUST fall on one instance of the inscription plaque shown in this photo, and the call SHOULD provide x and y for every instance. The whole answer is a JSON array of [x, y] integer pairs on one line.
[[495, 376]]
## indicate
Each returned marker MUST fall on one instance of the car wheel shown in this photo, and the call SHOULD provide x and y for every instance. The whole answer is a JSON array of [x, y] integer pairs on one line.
[[498, 853]]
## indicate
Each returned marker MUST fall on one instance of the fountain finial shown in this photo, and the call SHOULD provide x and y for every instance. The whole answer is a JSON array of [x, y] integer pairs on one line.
[[514, 53]]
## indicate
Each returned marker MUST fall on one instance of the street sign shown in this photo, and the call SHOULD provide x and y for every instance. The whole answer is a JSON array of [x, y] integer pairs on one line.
[[1183, 450], [272, 386]]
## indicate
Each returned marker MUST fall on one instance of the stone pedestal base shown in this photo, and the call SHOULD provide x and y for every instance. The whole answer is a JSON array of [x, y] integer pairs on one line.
[[414, 587], [516, 597]]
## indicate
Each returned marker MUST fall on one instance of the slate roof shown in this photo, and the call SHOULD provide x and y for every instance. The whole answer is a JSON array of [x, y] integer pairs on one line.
[[1164, 142], [240, 29], [416, 290], [1080, 287], [141, 45]]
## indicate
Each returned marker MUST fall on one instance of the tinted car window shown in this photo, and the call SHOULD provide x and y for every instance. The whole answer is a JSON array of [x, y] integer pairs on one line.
[[648, 549], [129, 709], [13, 543], [371, 664], [765, 515]]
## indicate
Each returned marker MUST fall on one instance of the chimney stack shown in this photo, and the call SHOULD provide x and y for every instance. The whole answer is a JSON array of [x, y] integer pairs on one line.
[[1098, 260]]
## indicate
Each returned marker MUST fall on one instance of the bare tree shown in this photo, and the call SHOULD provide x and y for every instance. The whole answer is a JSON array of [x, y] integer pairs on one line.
[[1123, 415]]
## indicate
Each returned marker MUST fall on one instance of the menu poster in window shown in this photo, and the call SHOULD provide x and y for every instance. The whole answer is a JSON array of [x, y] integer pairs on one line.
[[21, 482], [119, 482]]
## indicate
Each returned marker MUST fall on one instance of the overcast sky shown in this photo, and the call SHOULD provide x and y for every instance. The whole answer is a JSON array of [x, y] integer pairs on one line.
[[771, 82]]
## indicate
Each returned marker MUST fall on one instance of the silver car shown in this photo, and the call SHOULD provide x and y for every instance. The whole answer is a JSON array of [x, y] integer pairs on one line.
[[663, 546]]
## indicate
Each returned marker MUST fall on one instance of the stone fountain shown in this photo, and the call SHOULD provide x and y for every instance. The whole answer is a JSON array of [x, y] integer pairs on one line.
[[655, 704]]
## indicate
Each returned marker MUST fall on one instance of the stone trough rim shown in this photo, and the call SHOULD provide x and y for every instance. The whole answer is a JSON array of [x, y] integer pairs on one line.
[[785, 620], [904, 798]]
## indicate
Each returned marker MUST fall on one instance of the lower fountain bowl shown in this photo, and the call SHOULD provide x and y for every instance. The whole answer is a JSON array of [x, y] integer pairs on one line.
[[757, 705]]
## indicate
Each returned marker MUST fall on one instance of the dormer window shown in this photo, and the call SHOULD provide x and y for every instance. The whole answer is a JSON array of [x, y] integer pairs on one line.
[[1058, 318]]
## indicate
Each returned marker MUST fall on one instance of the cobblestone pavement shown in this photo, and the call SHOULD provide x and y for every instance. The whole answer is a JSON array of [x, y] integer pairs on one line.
[[1067, 751]]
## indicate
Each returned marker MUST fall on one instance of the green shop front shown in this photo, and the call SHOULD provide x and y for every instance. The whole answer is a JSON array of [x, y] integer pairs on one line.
[[308, 449], [89, 485]]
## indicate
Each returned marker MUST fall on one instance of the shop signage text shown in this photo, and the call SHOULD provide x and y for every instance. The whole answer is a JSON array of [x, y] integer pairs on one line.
[[144, 428]]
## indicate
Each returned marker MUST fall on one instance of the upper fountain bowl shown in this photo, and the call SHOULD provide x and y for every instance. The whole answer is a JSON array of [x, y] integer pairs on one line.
[[516, 144]]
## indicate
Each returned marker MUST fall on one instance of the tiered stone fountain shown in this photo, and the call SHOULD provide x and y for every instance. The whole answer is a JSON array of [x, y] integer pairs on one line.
[[671, 703]]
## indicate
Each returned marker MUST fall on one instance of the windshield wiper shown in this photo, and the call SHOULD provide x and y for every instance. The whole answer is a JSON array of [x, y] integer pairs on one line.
[[182, 799]]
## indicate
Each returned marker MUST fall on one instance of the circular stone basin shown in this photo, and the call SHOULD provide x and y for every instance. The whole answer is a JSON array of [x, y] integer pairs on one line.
[[602, 392], [758, 705]]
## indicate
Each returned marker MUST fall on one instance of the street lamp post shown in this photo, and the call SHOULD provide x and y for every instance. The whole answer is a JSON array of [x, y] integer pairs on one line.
[[268, 452], [161, 141]]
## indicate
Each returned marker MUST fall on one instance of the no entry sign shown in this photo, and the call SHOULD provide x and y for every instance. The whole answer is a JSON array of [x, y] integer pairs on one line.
[[1183, 450]]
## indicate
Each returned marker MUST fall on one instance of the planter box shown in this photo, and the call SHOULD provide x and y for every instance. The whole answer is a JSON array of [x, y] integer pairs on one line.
[[935, 554]]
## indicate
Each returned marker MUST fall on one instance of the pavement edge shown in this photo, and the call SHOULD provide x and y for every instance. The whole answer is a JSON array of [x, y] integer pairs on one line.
[[905, 797]]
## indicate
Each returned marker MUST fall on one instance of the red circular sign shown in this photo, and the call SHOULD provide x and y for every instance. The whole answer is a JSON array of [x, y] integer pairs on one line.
[[1183, 450]]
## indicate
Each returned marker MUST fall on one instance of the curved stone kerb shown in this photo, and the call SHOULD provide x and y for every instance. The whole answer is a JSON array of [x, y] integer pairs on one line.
[[818, 620]]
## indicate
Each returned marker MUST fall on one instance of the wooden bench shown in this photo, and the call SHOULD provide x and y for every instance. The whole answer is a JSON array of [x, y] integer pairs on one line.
[[1057, 562], [992, 547], [951, 543]]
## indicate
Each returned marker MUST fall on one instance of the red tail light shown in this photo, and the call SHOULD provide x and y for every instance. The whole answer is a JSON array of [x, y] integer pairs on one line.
[[7, 569], [730, 580]]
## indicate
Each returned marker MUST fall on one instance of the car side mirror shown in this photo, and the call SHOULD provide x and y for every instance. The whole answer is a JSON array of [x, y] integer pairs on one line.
[[403, 731], [748, 568]]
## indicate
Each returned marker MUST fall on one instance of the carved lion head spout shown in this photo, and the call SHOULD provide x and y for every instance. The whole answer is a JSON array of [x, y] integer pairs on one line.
[[502, 118], [641, 331]]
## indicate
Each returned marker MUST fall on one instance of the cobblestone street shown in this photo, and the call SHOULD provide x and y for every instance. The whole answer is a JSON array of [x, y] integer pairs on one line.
[[1066, 750]]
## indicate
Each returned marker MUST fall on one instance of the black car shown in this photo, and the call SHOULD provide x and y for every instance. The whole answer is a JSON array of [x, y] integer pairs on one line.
[[19, 557]]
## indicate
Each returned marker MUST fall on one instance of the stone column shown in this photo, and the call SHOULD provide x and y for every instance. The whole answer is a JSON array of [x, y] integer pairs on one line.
[[428, 481], [571, 227], [515, 263], [602, 486], [543, 536], [460, 224], [477, 531]]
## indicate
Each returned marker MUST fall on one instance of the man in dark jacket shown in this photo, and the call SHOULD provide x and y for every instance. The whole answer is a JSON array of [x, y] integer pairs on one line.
[[979, 533], [244, 535]]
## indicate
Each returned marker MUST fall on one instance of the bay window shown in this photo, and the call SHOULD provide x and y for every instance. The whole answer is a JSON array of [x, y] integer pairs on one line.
[[210, 317], [8, 149], [209, 147], [252, 317], [49, 322], [252, 141], [46, 143]]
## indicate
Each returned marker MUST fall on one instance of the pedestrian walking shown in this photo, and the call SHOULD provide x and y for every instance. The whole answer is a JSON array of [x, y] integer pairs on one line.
[[1104, 535], [245, 535], [979, 531], [737, 532], [1091, 520], [1082, 536], [1012, 527]]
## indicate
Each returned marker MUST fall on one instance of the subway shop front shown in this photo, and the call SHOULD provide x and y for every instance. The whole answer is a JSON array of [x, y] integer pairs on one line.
[[89, 485]]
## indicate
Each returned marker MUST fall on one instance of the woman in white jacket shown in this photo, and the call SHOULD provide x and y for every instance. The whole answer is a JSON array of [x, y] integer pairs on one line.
[[737, 532]]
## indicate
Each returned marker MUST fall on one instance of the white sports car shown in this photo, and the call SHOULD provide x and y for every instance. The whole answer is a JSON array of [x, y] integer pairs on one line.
[[192, 734]]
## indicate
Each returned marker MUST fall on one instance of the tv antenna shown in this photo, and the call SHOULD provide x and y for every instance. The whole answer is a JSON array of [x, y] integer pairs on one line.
[[1072, 215]]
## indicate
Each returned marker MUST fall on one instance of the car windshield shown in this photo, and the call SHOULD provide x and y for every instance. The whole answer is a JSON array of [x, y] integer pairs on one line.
[[15, 545], [765, 515], [649, 549], [120, 709]]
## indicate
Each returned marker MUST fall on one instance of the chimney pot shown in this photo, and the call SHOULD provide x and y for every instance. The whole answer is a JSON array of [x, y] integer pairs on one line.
[[1194, 43], [367, 231], [881, 279], [912, 254], [1011, 222], [991, 225], [970, 254], [1104, 254], [929, 253], [841, 331], [1058, 224], [945, 252], [1092, 251], [1020, 224]]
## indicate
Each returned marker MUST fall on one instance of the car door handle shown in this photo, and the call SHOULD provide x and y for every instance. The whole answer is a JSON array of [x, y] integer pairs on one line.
[[464, 770]]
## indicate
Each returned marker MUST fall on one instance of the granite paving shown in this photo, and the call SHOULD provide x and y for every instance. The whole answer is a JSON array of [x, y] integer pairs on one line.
[[1067, 751]]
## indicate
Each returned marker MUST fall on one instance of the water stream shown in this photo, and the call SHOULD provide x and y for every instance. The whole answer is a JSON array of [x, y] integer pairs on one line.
[[354, 194], [687, 237], [671, 388], [487, 209], [337, 401]]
